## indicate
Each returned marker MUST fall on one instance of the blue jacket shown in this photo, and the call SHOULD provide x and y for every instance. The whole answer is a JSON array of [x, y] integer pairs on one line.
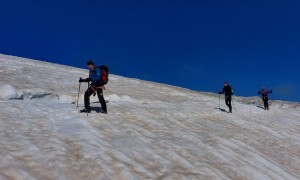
[[95, 75]]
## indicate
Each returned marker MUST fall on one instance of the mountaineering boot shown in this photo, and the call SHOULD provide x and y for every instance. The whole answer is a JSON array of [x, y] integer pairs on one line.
[[85, 111]]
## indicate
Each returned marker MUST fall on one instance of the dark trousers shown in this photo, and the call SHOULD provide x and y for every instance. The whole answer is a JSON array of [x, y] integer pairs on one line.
[[87, 95], [228, 102], [266, 102]]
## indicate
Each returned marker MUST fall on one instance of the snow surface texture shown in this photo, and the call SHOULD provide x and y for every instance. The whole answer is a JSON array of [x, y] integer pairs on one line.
[[152, 131]]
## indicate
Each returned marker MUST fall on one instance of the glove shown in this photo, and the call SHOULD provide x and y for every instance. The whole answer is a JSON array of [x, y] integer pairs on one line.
[[84, 80]]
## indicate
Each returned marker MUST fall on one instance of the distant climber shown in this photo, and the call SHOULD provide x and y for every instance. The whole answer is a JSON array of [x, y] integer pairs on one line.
[[99, 77], [265, 97], [228, 93]]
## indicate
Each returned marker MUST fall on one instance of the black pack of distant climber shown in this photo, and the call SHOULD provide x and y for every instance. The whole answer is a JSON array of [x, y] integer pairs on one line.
[[228, 93]]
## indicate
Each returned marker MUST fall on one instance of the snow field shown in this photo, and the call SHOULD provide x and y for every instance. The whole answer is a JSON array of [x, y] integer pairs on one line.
[[152, 131]]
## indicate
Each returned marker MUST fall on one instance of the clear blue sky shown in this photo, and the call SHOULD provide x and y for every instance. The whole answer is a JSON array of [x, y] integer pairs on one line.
[[189, 43]]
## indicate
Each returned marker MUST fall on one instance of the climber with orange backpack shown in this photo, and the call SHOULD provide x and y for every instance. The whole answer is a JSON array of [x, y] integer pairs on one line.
[[99, 77]]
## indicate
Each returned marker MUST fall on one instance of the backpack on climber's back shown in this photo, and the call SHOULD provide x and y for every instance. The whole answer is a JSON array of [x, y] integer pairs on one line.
[[104, 73]]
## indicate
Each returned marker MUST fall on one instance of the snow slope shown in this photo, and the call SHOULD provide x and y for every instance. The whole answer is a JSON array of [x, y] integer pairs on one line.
[[152, 131]]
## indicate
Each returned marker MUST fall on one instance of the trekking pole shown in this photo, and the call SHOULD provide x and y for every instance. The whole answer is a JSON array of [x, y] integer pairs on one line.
[[219, 101], [272, 96], [233, 105], [78, 94]]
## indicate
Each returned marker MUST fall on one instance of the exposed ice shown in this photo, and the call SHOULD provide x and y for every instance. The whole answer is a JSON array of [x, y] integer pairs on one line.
[[8, 92]]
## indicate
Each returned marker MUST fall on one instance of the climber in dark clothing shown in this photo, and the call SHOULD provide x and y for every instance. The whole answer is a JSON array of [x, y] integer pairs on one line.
[[99, 78], [265, 97], [228, 93]]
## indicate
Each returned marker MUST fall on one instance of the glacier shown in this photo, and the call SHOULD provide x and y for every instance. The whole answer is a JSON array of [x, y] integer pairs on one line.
[[151, 131]]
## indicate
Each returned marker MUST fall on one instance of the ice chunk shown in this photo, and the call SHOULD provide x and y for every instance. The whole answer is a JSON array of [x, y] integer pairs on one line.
[[8, 92]]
